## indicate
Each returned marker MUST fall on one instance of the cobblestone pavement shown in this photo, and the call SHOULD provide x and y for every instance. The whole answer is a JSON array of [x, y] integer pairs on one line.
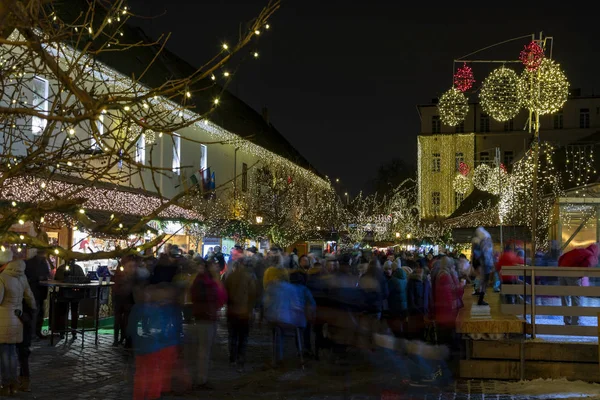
[[102, 372]]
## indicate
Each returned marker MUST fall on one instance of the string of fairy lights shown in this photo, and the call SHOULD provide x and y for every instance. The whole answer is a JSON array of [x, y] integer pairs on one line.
[[134, 112]]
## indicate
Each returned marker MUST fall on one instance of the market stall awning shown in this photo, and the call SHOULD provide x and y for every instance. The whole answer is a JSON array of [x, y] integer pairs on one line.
[[479, 208]]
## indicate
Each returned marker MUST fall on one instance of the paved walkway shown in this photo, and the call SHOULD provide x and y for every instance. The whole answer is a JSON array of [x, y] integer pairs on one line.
[[102, 372]]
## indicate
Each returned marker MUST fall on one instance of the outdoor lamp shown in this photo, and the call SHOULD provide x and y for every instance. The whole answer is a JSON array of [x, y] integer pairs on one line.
[[259, 219]]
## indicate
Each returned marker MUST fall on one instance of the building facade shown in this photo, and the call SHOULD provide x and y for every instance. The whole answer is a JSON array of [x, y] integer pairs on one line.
[[479, 138]]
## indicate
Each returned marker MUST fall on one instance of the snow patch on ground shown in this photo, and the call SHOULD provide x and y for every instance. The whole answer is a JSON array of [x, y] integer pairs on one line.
[[552, 389]]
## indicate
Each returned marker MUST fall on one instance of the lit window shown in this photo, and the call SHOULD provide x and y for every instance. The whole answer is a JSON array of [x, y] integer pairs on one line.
[[436, 125], [140, 150], [584, 118], [39, 102], [435, 202], [558, 120], [484, 123], [484, 158], [459, 158], [203, 157], [458, 198], [94, 145], [176, 153], [508, 158], [436, 162]]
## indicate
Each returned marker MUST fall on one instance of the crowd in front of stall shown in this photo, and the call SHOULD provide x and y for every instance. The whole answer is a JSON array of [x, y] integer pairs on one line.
[[331, 304]]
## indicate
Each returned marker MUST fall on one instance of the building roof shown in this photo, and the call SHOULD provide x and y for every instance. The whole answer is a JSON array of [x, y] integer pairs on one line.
[[232, 114]]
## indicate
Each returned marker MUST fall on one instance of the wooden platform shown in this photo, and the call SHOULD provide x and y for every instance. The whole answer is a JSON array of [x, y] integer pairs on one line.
[[513, 357], [469, 322]]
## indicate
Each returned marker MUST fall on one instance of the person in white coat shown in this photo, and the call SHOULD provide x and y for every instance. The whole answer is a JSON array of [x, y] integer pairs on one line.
[[14, 288]]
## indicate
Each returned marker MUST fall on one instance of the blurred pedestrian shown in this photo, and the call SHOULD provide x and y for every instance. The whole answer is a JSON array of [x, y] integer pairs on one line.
[[241, 297], [14, 289]]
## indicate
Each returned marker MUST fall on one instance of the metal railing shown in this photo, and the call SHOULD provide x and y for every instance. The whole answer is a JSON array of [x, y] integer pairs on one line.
[[527, 289]]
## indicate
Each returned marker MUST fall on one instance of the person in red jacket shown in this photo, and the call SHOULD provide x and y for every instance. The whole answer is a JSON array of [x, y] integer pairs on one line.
[[582, 258], [447, 298], [509, 259]]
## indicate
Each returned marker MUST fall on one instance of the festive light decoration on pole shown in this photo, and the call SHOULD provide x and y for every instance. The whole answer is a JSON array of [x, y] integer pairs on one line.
[[463, 78], [481, 176], [453, 107], [463, 168], [462, 184], [499, 94], [532, 55], [544, 90]]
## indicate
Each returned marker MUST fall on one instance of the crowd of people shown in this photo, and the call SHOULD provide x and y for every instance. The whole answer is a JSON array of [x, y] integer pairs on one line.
[[332, 303]]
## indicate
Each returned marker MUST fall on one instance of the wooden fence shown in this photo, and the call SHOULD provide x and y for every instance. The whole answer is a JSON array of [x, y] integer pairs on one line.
[[527, 290]]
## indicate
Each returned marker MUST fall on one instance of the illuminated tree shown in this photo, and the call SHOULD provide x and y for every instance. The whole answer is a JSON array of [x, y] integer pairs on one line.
[[71, 125]]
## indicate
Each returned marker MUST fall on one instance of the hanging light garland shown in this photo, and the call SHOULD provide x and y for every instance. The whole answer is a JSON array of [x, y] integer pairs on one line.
[[463, 78], [499, 94], [544, 90], [453, 107]]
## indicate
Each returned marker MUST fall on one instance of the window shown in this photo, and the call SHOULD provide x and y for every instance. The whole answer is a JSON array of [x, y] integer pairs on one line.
[[484, 123], [39, 102], [558, 120], [435, 202], [140, 150], [509, 125], [458, 158], [436, 126], [436, 162], [584, 118], [176, 154], [484, 158], [94, 145], [458, 198], [203, 157], [460, 128], [244, 177], [508, 158]]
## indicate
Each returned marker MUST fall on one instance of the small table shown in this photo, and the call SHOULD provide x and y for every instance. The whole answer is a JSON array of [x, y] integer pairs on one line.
[[86, 291]]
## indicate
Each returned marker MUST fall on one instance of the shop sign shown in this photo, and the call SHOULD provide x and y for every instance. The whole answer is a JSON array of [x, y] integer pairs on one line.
[[211, 241]]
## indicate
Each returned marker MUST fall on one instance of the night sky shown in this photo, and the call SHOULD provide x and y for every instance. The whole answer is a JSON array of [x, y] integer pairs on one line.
[[342, 79]]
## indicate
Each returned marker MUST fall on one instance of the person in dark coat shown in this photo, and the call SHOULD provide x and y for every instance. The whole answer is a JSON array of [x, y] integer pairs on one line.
[[418, 295], [167, 266], [37, 269], [122, 296], [397, 301], [66, 301]]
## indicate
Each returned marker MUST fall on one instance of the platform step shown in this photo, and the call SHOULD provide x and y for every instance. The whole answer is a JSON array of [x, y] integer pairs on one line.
[[510, 370]]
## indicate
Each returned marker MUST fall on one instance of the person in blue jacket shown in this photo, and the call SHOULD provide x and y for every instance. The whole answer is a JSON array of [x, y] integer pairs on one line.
[[287, 307]]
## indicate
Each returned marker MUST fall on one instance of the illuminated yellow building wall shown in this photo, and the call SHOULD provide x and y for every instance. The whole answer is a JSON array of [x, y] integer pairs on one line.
[[438, 158]]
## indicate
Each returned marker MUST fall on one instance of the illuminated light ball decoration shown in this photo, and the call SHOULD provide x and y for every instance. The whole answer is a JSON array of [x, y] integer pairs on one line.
[[463, 78], [453, 107], [481, 176], [461, 184], [531, 56], [545, 90], [463, 168], [499, 94], [497, 181]]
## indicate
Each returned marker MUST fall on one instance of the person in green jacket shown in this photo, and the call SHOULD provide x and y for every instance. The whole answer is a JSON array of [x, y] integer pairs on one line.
[[397, 299]]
